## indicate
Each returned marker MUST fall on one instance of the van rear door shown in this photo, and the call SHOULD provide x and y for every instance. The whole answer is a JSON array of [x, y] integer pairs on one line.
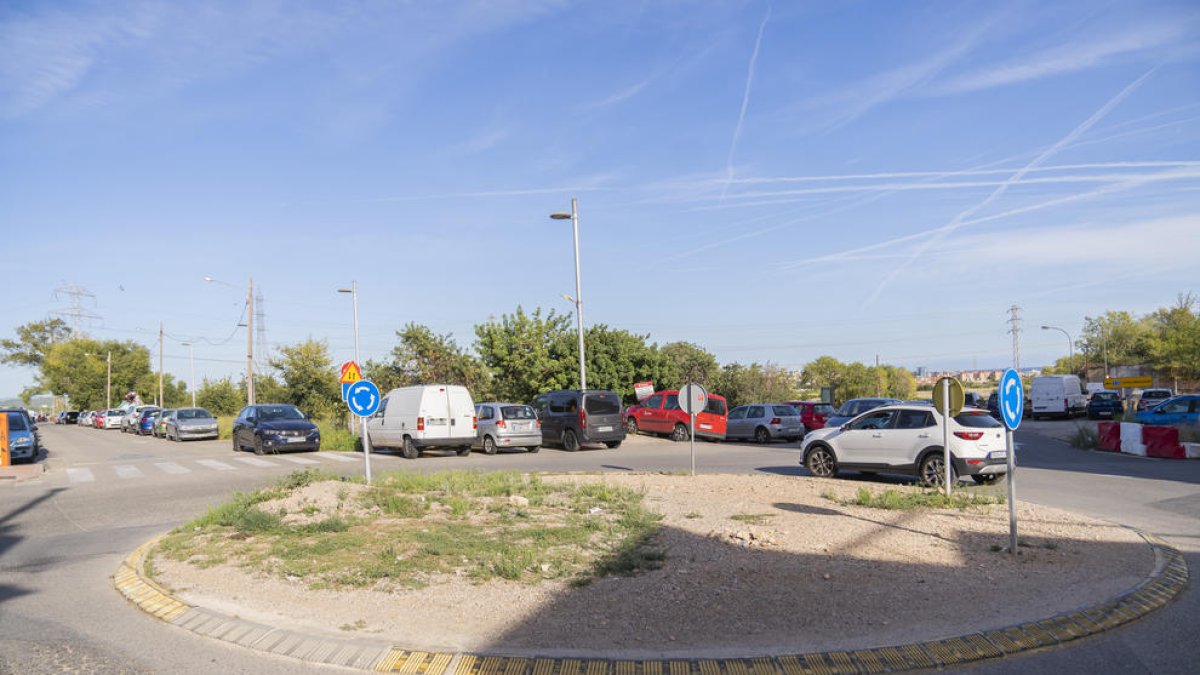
[[461, 413], [435, 409]]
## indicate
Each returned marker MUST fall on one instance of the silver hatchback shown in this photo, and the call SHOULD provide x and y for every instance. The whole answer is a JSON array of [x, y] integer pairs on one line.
[[506, 425], [765, 422]]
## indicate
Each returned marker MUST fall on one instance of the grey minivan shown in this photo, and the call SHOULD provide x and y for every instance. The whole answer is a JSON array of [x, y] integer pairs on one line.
[[506, 425], [765, 422], [571, 417]]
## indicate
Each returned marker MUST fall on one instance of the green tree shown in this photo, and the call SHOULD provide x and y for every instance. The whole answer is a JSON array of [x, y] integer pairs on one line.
[[79, 369], [900, 383], [755, 383], [424, 357], [1116, 337], [221, 397], [33, 341], [309, 376], [1175, 345], [685, 362], [616, 359], [528, 353]]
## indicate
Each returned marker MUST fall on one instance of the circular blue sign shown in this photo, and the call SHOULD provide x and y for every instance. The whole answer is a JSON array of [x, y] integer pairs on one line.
[[1011, 399], [363, 398]]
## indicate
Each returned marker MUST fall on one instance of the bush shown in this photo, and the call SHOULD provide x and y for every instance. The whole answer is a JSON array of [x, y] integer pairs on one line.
[[1085, 437]]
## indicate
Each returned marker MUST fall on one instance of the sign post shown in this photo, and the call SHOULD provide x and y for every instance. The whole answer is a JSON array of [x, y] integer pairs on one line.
[[1011, 398], [692, 398], [351, 376], [948, 400]]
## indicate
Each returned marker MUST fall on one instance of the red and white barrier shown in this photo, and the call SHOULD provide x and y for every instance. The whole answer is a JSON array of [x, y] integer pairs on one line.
[[1145, 441], [1131, 439]]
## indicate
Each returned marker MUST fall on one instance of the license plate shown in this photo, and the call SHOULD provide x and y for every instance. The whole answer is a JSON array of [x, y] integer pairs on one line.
[[706, 426], [1003, 454], [296, 439], [608, 428]]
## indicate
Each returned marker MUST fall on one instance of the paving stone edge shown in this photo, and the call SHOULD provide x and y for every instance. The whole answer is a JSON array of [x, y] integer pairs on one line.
[[1166, 581]]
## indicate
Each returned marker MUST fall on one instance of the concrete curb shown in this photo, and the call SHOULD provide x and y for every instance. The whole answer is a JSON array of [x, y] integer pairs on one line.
[[1168, 578]]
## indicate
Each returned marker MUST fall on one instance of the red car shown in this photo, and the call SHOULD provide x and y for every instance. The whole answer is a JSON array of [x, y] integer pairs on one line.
[[661, 414], [813, 413]]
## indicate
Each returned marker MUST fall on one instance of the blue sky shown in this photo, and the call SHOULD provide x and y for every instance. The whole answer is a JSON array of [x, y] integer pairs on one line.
[[773, 181]]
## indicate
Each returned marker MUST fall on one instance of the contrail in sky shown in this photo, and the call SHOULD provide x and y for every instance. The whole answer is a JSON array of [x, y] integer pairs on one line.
[[957, 222], [737, 130]]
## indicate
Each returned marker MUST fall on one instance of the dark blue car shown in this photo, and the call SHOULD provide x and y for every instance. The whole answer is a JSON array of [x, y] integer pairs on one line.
[[146, 420], [1173, 411], [1105, 404]]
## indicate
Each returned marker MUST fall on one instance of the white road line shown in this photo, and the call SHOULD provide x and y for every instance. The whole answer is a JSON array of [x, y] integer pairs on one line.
[[128, 471], [81, 475], [336, 457], [254, 461], [172, 467], [297, 460], [214, 464]]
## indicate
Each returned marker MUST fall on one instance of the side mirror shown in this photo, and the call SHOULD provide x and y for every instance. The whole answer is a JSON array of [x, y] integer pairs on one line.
[[846, 426]]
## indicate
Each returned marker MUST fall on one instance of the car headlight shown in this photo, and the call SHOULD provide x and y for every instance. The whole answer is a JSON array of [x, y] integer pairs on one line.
[[21, 442]]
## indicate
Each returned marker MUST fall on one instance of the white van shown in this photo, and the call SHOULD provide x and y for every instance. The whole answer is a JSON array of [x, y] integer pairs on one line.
[[411, 419], [1057, 395]]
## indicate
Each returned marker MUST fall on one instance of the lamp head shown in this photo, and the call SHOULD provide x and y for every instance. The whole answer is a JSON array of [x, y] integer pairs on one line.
[[560, 215]]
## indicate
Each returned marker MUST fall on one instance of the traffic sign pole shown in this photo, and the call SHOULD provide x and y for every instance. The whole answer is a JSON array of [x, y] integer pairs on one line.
[[693, 398], [366, 443], [946, 429], [1012, 495]]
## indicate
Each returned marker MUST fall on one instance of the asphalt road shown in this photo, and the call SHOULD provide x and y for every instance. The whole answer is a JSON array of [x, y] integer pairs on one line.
[[63, 535]]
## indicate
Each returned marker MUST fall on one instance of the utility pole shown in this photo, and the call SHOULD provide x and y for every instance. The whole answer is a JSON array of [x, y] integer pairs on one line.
[[160, 365], [1015, 320], [878, 378], [250, 344], [108, 383]]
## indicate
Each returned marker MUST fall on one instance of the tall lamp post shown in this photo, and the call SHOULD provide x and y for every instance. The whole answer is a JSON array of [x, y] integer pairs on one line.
[[192, 363], [366, 439], [578, 299], [1070, 344]]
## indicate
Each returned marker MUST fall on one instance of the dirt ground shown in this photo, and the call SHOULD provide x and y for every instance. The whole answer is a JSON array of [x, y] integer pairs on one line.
[[755, 564]]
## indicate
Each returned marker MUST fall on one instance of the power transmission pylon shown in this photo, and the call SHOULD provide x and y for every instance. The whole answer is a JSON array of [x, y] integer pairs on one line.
[[1015, 320]]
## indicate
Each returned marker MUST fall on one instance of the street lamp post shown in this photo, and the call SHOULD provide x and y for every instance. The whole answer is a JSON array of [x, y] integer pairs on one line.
[[192, 363], [1070, 345], [578, 299], [366, 439]]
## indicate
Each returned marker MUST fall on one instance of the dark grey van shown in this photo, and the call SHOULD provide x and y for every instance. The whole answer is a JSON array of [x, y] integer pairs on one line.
[[571, 417]]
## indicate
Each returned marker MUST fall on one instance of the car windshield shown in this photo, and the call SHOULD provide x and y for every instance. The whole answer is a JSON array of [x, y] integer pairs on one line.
[[977, 419], [1156, 394], [279, 412], [785, 411], [1104, 396], [715, 406], [194, 414], [823, 409], [517, 412], [16, 422]]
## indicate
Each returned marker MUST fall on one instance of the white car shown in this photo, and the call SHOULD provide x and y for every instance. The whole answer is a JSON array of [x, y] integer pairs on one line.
[[907, 439]]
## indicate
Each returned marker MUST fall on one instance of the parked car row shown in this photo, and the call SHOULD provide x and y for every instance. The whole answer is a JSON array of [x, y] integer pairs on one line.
[[176, 424]]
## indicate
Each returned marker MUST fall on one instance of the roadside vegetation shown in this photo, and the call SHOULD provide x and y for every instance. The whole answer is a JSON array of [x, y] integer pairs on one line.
[[408, 529], [1085, 436], [914, 498]]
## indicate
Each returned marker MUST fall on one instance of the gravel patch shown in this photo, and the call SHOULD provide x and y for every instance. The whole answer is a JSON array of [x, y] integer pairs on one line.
[[755, 565]]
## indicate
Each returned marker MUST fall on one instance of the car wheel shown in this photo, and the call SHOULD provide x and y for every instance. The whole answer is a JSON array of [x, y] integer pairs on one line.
[[236, 447], [820, 462], [933, 470], [533, 448], [258, 446], [489, 445], [570, 441], [679, 433], [985, 479], [631, 427], [761, 435], [409, 449], [612, 445]]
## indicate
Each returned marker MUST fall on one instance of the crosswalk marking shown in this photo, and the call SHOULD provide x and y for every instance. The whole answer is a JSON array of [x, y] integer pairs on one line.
[[172, 467], [298, 460], [215, 464], [81, 475], [254, 461], [336, 456], [127, 471]]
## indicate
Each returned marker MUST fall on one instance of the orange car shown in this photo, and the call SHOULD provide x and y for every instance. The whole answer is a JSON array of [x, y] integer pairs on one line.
[[660, 414]]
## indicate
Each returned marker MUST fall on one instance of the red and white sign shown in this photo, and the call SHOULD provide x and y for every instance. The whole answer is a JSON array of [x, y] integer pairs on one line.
[[643, 390]]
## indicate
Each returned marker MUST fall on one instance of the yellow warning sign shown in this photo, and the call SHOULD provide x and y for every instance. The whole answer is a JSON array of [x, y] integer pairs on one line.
[[350, 373]]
